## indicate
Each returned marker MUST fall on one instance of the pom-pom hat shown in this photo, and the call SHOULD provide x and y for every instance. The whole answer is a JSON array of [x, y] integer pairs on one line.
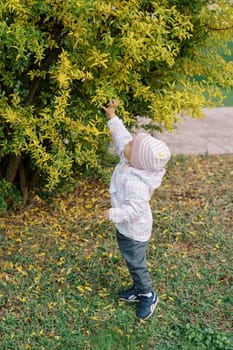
[[149, 153]]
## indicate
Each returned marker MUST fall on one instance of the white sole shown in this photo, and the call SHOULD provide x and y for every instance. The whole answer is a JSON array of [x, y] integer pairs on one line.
[[129, 301]]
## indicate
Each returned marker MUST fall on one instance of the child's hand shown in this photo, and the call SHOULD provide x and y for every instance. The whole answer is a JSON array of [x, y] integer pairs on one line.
[[106, 214], [110, 110]]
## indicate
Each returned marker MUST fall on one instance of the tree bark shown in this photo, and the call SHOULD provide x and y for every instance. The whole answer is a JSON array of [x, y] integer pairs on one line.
[[12, 168], [16, 166], [23, 183]]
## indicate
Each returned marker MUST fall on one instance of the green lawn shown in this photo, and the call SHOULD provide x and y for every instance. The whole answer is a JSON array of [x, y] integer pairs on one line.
[[61, 269]]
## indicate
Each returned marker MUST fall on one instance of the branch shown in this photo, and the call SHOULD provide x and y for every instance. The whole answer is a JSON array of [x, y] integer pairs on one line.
[[44, 66], [226, 28]]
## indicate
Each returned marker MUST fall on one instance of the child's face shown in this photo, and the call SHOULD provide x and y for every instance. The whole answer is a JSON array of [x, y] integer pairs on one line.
[[127, 151]]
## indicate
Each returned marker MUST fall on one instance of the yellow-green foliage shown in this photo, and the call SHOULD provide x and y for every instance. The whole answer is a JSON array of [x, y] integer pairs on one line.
[[60, 60]]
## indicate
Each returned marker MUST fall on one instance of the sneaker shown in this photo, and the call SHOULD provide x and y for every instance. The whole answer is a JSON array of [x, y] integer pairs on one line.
[[129, 295], [147, 306]]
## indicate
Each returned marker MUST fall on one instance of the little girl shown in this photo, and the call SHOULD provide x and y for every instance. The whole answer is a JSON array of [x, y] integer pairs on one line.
[[139, 172]]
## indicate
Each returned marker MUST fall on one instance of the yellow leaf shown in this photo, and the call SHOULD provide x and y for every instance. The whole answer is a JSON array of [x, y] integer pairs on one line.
[[80, 288]]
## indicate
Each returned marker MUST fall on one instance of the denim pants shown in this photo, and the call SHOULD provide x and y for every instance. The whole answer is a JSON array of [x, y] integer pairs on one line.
[[134, 253]]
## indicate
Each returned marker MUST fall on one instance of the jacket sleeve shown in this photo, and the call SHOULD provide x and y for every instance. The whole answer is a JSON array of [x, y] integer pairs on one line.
[[120, 135], [128, 212], [135, 205]]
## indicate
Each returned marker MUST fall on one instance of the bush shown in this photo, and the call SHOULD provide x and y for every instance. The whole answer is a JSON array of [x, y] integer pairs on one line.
[[62, 60], [9, 195]]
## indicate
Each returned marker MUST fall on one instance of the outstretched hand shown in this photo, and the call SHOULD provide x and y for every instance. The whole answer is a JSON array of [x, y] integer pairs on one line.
[[111, 109]]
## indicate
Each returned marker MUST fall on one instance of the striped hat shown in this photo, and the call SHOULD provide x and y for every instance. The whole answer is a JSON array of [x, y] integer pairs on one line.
[[149, 153]]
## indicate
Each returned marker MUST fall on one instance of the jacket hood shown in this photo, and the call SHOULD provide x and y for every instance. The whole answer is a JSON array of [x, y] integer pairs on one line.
[[152, 179]]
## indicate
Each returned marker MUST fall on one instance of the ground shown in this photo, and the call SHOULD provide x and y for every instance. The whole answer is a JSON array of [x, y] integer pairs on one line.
[[61, 268]]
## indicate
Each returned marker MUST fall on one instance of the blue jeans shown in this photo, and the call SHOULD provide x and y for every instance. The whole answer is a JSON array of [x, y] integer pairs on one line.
[[134, 253]]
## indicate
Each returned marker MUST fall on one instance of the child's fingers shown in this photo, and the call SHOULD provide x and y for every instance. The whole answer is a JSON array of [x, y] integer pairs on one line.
[[112, 104]]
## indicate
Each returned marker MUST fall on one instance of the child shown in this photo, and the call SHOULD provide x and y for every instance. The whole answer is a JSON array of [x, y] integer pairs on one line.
[[140, 171]]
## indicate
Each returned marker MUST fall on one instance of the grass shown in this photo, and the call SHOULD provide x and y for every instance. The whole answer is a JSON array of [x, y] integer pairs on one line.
[[61, 269]]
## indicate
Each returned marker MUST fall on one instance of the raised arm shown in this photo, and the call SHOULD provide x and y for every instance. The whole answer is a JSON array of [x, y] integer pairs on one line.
[[120, 134]]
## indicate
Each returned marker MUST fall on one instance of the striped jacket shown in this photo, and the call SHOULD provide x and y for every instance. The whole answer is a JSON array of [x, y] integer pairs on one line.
[[130, 190]]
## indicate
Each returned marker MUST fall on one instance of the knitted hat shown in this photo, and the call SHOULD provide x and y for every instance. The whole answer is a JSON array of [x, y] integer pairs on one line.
[[149, 153]]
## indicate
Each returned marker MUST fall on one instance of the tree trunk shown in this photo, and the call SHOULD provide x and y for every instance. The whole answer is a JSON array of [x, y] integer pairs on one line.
[[12, 168], [23, 183], [16, 165]]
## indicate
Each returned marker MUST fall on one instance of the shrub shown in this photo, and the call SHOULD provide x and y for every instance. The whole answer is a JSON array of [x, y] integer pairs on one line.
[[8, 195], [62, 60]]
